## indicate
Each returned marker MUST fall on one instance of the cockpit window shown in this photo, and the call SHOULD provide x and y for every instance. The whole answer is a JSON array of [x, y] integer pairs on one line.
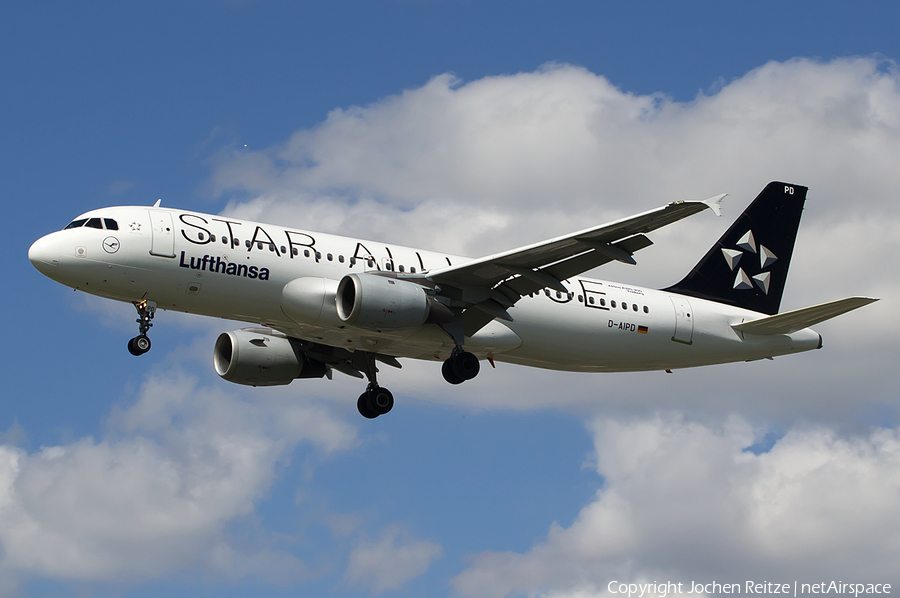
[[76, 223], [107, 223]]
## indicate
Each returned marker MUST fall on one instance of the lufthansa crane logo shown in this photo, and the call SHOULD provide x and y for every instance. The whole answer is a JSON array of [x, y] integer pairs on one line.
[[742, 281], [110, 244]]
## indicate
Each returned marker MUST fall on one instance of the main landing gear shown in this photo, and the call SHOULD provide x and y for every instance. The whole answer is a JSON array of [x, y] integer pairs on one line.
[[460, 366], [376, 400], [141, 343]]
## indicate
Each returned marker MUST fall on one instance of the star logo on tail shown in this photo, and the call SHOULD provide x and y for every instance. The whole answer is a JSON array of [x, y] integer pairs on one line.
[[733, 257]]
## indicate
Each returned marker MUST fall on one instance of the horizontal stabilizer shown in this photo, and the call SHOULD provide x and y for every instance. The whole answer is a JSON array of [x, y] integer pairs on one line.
[[798, 319]]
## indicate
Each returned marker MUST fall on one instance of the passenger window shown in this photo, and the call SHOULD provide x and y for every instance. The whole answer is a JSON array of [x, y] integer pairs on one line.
[[200, 236], [76, 224], [591, 300], [612, 303], [94, 223], [318, 255], [352, 261], [646, 310], [401, 268], [294, 251], [371, 263], [259, 244], [271, 247], [330, 257], [634, 307], [341, 259], [602, 302], [306, 253], [413, 270], [111, 224], [624, 305], [247, 243], [224, 240], [283, 250]]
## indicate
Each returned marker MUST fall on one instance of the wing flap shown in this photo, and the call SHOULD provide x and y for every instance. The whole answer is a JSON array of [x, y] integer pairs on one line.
[[798, 319]]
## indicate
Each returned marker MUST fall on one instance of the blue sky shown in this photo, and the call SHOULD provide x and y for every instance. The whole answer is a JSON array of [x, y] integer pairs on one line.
[[528, 483]]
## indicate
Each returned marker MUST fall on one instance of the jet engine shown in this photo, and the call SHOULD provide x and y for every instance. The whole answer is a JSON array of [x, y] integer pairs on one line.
[[257, 357], [380, 303]]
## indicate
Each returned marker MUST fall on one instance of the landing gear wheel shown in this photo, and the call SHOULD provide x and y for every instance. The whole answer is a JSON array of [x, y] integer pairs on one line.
[[142, 342], [380, 400], [449, 373], [465, 365], [139, 345], [376, 400], [362, 403]]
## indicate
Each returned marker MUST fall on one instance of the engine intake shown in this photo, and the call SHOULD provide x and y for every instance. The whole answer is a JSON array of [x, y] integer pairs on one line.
[[260, 358], [378, 303]]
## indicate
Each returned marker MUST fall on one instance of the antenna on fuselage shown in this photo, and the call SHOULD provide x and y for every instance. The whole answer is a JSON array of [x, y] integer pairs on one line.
[[156, 205]]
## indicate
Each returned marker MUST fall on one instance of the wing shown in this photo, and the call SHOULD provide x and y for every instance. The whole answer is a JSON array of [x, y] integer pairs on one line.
[[487, 286]]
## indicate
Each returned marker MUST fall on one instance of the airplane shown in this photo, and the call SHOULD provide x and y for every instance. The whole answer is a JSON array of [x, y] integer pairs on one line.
[[326, 303]]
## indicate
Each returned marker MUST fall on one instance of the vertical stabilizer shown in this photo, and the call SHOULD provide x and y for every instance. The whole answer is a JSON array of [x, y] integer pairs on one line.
[[748, 266]]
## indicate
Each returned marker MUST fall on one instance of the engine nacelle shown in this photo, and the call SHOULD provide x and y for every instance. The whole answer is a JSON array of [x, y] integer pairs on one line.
[[377, 302], [260, 358], [310, 300]]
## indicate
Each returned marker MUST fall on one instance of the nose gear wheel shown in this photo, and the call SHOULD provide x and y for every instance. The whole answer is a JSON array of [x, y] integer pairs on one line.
[[141, 343]]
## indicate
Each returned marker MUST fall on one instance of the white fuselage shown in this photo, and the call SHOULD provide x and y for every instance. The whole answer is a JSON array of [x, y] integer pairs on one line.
[[238, 270]]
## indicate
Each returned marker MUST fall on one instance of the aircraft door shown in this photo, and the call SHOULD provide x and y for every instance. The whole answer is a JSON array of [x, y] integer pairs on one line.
[[163, 243], [684, 322]]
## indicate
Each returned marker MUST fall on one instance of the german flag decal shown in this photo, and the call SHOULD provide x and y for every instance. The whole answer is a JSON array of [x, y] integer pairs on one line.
[[642, 330]]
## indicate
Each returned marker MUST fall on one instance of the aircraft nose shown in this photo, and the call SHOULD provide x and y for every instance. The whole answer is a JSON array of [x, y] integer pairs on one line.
[[44, 254]]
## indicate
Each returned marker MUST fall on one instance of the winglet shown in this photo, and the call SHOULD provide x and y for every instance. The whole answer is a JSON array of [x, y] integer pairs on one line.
[[715, 203], [158, 201]]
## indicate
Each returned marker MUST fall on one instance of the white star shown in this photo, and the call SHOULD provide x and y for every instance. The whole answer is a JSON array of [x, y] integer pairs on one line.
[[762, 281], [732, 256], [742, 281], [766, 257], [747, 242]]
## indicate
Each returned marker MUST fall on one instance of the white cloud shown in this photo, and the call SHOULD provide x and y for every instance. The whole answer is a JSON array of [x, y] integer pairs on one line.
[[682, 501], [391, 561], [156, 496]]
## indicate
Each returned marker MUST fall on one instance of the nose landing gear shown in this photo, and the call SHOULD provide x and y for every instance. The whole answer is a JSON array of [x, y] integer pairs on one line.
[[141, 343]]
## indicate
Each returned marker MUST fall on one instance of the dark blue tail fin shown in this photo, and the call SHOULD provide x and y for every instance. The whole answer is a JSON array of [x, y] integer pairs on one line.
[[748, 266]]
